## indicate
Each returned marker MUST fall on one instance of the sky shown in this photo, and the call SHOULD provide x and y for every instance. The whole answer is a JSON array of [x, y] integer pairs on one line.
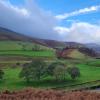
[[63, 20]]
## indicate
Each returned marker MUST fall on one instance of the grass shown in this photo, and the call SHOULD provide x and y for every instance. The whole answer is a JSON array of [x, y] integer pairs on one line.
[[13, 82], [11, 79], [19, 48], [76, 54], [18, 45], [29, 53]]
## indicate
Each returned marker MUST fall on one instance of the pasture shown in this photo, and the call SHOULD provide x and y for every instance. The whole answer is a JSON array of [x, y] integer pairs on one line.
[[18, 48], [12, 81], [19, 45], [28, 53], [15, 52]]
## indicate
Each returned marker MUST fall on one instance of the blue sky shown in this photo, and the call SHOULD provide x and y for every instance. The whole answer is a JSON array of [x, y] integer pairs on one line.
[[58, 6], [66, 20], [66, 6]]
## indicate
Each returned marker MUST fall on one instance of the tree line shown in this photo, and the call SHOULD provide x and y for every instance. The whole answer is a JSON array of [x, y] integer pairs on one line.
[[38, 69]]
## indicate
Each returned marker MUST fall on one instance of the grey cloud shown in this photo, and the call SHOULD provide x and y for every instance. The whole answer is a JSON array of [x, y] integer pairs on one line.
[[29, 19], [80, 32]]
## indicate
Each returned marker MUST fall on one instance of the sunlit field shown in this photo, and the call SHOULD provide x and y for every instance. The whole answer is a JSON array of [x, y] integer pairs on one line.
[[89, 73]]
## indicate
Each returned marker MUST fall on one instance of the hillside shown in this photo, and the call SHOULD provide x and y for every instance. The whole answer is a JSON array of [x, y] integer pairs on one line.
[[8, 35], [10, 40], [20, 45], [73, 53], [76, 53]]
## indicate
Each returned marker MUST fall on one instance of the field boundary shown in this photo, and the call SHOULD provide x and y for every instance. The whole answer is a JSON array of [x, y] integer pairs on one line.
[[84, 83]]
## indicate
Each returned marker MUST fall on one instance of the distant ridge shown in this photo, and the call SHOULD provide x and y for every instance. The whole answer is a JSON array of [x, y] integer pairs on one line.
[[9, 35], [6, 34]]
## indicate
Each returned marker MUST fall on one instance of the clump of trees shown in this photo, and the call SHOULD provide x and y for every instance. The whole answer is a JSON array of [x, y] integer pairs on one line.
[[36, 47], [33, 71], [57, 70], [38, 69]]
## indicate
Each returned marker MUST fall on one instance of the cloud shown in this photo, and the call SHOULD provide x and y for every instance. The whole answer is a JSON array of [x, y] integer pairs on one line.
[[80, 32], [78, 12], [29, 19]]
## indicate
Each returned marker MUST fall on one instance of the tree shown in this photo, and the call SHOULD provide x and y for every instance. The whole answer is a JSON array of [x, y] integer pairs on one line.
[[17, 64], [1, 74], [74, 72], [57, 70], [26, 73], [33, 71], [38, 69], [24, 46], [36, 47]]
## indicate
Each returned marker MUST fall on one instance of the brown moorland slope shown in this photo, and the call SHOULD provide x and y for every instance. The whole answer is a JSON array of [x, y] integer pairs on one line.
[[36, 94], [9, 35]]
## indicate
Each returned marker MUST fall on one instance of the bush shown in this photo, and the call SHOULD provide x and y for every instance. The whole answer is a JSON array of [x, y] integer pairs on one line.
[[17, 64], [74, 72], [1, 74]]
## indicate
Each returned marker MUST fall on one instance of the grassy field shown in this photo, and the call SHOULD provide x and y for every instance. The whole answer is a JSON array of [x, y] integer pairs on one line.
[[29, 53], [19, 45], [89, 68], [18, 48], [13, 82]]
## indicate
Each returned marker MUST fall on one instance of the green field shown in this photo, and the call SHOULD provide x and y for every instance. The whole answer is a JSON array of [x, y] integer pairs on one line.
[[18, 48], [11, 80], [19, 45], [29, 53], [89, 68]]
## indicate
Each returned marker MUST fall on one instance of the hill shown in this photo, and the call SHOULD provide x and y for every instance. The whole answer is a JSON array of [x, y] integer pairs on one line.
[[15, 44], [8, 35], [76, 53], [20, 45], [10, 40]]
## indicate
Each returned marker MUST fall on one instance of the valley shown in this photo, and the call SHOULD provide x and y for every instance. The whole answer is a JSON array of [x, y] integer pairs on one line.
[[15, 54], [89, 73], [49, 49]]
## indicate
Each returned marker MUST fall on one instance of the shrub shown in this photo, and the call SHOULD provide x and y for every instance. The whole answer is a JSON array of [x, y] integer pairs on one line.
[[74, 72], [1, 74]]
